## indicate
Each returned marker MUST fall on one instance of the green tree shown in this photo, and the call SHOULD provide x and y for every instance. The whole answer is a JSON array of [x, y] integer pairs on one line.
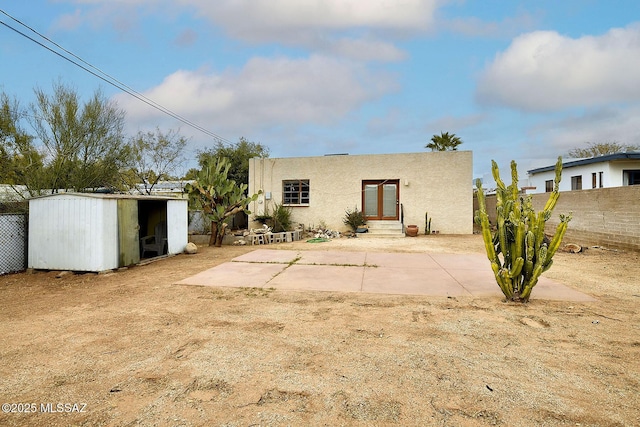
[[238, 155], [20, 162], [83, 144], [444, 142], [154, 157], [218, 196], [594, 149]]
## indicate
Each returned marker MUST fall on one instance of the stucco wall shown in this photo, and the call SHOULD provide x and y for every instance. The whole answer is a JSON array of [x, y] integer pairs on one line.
[[608, 217], [439, 183]]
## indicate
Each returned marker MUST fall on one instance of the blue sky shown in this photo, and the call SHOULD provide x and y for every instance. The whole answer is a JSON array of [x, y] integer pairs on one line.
[[521, 80]]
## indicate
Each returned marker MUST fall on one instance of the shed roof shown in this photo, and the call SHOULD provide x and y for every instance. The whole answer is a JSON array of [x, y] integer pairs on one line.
[[632, 155], [109, 196]]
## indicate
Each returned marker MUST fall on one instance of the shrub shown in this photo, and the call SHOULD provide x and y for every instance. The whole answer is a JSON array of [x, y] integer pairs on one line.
[[281, 218], [354, 218]]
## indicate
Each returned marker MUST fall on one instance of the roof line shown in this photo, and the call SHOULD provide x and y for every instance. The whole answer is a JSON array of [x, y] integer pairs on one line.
[[632, 155]]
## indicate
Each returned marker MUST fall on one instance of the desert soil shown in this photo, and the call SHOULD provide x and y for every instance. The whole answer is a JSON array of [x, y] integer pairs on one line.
[[131, 348]]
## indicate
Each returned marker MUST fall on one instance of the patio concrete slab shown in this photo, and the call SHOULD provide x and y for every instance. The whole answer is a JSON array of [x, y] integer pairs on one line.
[[399, 281], [462, 261], [319, 278], [268, 255], [372, 272], [332, 258], [236, 274], [420, 261]]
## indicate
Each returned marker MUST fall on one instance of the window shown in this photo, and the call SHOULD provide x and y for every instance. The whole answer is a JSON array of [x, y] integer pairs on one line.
[[632, 177], [594, 180], [600, 174], [295, 192], [576, 182], [548, 186]]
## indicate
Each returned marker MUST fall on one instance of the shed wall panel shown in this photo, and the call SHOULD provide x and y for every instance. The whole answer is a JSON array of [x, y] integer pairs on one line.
[[73, 233], [178, 225]]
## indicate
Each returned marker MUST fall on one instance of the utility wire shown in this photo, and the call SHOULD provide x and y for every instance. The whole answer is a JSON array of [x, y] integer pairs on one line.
[[106, 77]]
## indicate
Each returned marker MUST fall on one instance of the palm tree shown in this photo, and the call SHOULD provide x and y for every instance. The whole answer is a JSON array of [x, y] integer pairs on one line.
[[444, 142]]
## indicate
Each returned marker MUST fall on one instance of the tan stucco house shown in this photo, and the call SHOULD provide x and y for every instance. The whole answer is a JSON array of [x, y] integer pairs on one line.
[[391, 189]]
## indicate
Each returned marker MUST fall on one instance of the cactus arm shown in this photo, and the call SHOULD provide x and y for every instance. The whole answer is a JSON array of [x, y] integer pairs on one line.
[[502, 236], [528, 265], [495, 171], [557, 237], [537, 271], [502, 277], [514, 181], [517, 268], [483, 219], [539, 231], [553, 198]]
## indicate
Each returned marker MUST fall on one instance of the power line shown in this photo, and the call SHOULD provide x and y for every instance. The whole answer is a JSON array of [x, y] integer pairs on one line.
[[106, 77]]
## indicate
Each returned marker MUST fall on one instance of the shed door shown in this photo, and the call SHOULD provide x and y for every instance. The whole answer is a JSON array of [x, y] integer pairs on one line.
[[128, 233]]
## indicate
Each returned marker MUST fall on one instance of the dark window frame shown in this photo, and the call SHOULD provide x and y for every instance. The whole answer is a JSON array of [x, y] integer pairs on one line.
[[576, 182], [548, 186], [295, 192], [632, 176]]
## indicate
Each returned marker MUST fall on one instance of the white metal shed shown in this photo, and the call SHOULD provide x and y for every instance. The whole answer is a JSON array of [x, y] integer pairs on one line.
[[97, 232]]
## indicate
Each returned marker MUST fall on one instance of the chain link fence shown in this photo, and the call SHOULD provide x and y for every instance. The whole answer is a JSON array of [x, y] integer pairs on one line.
[[13, 242]]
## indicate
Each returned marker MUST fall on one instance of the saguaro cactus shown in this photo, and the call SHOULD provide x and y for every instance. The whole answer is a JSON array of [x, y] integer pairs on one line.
[[519, 250]]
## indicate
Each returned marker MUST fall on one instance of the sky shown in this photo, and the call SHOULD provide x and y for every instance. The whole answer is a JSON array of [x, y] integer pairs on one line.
[[515, 80]]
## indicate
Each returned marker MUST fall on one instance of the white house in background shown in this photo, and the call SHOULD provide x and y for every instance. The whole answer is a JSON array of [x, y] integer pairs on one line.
[[611, 170], [391, 189]]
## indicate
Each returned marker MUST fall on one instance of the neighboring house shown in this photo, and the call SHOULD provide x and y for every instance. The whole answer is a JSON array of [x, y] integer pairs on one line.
[[611, 170], [391, 189], [164, 188], [12, 193]]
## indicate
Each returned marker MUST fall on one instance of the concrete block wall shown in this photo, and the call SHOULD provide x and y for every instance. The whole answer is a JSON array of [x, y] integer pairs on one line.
[[607, 217]]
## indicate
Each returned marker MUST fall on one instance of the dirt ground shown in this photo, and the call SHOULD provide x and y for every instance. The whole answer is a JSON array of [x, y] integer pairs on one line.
[[131, 348]]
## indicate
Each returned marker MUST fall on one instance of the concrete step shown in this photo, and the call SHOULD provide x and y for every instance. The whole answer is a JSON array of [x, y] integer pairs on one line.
[[384, 229]]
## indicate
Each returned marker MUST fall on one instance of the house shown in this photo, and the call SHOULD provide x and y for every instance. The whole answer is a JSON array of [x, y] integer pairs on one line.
[[393, 190], [611, 170], [97, 232]]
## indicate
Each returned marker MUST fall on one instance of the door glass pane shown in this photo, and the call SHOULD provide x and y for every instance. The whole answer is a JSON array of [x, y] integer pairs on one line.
[[371, 200], [389, 200]]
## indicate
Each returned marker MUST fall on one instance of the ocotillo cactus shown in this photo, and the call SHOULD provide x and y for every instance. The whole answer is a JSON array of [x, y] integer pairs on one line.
[[518, 250]]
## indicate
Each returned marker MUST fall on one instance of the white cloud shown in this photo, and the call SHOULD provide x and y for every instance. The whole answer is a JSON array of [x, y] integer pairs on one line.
[[365, 50], [265, 93], [476, 27], [69, 21], [348, 28], [545, 71], [274, 19], [595, 125]]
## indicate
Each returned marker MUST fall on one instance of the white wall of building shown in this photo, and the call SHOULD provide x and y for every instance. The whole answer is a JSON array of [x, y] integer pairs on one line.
[[612, 175]]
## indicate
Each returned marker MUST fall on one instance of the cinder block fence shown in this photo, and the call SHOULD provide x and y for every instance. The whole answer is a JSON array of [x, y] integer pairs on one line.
[[607, 217]]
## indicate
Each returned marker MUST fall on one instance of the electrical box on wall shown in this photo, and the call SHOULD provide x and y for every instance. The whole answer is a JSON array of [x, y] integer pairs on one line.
[[267, 195]]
